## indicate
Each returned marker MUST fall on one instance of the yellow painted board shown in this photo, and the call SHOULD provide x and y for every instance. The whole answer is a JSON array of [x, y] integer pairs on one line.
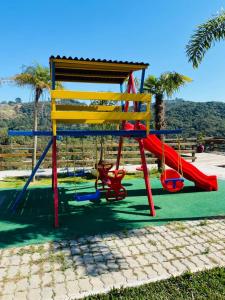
[[87, 121], [69, 115], [88, 108], [63, 94]]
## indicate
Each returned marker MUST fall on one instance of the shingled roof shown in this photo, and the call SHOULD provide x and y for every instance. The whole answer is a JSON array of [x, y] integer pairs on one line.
[[93, 70]]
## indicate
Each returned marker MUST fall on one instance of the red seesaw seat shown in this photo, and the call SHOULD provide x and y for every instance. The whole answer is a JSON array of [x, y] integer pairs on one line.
[[116, 191], [102, 180]]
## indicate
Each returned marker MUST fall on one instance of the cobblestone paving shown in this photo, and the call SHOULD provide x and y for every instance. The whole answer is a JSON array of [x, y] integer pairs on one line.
[[76, 268]]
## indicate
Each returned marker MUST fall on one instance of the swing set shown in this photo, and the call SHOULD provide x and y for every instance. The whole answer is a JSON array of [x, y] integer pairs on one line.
[[98, 71]]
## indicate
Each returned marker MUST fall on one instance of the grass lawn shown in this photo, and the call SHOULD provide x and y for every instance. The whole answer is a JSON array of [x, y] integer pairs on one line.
[[202, 285]]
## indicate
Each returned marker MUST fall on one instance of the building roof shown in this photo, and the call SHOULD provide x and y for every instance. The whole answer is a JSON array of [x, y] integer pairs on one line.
[[93, 70]]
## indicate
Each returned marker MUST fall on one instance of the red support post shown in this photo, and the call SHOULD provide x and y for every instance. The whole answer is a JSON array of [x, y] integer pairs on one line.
[[146, 177], [55, 183], [123, 123], [143, 158]]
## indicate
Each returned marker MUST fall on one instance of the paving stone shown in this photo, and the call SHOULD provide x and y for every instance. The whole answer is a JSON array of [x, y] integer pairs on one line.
[[47, 267], [179, 266], [132, 262], [81, 271], [21, 296], [12, 271], [9, 288], [6, 253], [3, 272], [69, 274], [35, 281], [15, 260], [22, 284], [8, 297], [142, 248], [167, 254], [34, 269], [85, 285], [151, 273], [47, 293], [56, 266], [60, 291], [188, 263], [5, 261], [26, 258], [58, 277], [107, 279], [34, 294], [25, 270], [139, 272], [97, 283], [47, 279], [161, 270], [170, 267], [150, 258], [141, 260]]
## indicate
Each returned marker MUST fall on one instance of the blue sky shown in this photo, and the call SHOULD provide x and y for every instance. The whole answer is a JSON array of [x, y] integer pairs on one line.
[[146, 30]]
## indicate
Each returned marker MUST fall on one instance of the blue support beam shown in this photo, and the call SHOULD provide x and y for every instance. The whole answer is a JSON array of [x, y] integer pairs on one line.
[[121, 91], [21, 194], [141, 87], [82, 133]]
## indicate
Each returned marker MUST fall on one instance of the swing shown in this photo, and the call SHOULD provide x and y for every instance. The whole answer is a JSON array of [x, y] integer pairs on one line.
[[172, 180], [76, 173], [93, 197]]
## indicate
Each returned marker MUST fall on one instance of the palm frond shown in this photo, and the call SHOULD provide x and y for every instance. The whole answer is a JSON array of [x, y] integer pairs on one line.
[[151, 84], [36, 76], [204, 37], [172, 81]]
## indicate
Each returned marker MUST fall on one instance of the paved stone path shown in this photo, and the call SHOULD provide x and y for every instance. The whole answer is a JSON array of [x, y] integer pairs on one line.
[[75, 268]]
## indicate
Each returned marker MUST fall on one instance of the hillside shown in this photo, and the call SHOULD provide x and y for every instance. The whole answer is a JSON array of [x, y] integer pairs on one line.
[[196, 118]]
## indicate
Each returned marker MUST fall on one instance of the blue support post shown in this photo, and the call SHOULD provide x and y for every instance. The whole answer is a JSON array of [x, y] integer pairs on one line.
[[141, 86], [21, 194], [53, 88], [121, 91], [53, 75]]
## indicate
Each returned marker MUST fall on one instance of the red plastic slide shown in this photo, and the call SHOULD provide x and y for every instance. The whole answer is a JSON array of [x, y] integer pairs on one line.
[[190, 172]]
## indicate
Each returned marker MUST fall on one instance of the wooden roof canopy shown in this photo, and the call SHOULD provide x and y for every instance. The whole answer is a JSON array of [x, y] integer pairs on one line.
[[70, 69]]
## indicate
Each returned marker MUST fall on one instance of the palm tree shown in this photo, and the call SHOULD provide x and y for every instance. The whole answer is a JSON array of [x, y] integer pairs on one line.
[[38, 78], [166, 84], [204, 37]]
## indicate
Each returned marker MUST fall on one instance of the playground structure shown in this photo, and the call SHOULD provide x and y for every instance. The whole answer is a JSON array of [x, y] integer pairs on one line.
[[102, 71]]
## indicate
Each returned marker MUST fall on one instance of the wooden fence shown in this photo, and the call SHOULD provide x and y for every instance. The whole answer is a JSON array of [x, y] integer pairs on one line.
[[78, 153]]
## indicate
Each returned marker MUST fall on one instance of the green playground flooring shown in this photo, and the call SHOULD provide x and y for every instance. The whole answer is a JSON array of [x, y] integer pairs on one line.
[[33, 221]]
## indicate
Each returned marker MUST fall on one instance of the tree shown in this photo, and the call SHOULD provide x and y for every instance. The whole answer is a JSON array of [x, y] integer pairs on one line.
[[38, 78], [204, 37], [166, 84], [18, 100]]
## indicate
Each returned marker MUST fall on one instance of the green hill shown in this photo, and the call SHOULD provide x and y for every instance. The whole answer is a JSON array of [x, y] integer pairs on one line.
[[205, 118]]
